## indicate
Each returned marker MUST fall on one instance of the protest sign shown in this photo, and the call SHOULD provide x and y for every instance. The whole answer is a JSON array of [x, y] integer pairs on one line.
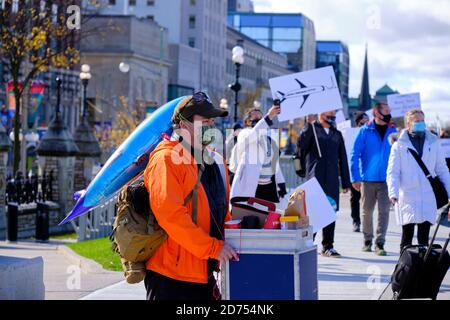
[[402, 103], [305, 93], [318, 208], [445, 147], [340, 117], [344, 125]]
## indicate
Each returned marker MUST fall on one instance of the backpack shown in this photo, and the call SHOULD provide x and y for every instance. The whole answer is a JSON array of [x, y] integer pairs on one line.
[[136, 234]]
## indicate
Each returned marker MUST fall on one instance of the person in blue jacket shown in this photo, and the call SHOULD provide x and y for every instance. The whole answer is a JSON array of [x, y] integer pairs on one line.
[[369, 161]]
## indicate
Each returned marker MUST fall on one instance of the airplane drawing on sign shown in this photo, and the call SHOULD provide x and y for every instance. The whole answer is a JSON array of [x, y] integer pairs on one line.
[[304, 91]]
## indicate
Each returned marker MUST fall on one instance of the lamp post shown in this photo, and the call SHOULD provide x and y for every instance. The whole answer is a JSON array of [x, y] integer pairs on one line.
[[85, 76], [238, 60]]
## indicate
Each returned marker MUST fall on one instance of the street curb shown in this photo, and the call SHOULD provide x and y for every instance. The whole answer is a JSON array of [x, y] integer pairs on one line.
[[86, 265]]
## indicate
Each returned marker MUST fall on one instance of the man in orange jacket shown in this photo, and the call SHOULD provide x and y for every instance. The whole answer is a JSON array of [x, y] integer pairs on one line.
[[182, 268]]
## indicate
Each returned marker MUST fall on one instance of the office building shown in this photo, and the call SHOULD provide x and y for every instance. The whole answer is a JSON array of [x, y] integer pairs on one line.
[[259, 66], [240, 6], [335, 53], [200, 24], [290, 34]]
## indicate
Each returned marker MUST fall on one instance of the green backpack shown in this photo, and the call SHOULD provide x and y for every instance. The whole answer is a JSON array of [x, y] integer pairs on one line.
[[136, 234]]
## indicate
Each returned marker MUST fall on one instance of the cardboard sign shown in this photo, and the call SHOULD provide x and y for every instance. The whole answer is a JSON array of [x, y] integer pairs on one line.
[[445, 147], [400, 104], [305, 93], [319, 209]]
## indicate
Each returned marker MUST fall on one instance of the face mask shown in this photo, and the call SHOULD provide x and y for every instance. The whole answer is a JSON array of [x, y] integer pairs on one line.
[[254, 122], [331, 120], [386, 118], [419, 127], [208, 134]]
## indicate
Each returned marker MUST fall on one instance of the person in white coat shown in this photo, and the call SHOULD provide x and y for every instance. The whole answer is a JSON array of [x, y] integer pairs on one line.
[[409, 189], [255, 160]]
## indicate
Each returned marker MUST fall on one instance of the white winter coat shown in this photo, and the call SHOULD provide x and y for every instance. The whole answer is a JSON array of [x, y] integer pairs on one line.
[[246, 160], [407, 182]]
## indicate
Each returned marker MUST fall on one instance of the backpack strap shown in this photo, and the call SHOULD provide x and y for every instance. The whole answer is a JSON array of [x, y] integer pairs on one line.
[[194, 195]]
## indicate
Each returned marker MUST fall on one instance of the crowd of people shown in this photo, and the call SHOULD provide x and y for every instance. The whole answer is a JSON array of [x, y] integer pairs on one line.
[[382, 171]]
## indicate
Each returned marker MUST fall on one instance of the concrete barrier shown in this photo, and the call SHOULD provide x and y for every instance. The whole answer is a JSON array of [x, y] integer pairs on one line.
[[21, 279]]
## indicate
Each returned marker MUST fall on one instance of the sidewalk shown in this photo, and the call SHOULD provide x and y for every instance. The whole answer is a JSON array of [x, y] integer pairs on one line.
[[61, 272], [355, 276]]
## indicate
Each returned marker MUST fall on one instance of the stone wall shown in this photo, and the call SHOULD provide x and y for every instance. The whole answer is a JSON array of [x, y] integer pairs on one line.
[[79, 179], [27, 221]]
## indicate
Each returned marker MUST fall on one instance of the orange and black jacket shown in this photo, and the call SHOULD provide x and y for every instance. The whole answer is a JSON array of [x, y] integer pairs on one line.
[[169, 177]]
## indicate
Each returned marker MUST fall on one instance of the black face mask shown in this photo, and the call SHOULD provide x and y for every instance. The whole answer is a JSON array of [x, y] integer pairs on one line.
[[254, 122], [386, 118], [331, 120]]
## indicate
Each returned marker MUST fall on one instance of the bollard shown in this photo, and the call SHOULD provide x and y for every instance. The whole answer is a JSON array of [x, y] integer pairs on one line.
[[42, 222], [13, 210]]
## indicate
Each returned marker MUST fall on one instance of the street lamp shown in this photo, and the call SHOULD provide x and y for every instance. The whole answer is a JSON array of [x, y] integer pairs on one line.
[[124, 67], [85, 76], [238, 60]]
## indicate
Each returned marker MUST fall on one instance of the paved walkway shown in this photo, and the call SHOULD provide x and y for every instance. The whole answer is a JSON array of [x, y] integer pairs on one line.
[[355, 276], [63, 279]]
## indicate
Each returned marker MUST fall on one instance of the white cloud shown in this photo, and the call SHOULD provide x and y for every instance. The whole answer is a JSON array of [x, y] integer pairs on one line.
[[407, 40]]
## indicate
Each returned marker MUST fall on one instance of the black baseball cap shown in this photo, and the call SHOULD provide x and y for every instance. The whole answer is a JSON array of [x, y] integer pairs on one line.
[[199, 103]]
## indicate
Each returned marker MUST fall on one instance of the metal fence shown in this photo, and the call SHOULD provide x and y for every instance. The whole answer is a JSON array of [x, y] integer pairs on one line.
[[288, 169], [98, 222]]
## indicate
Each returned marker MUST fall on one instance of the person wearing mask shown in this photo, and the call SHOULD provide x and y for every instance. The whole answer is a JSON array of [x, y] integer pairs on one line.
[[182, 267], [255, 160], [369, 161], [326, 161], [355, 197], [409, 189]]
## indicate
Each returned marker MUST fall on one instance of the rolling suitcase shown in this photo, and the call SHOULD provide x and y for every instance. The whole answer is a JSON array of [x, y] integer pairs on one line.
[[420, 270]]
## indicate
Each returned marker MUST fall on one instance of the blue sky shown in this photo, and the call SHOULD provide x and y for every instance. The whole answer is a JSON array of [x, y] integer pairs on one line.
[[408, 43]]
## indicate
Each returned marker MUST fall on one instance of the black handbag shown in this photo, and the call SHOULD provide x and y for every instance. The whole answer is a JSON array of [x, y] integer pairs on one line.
[[438, 188]]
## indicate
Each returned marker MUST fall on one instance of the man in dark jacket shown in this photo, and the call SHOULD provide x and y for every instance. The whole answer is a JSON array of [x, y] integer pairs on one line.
[[326, 161]]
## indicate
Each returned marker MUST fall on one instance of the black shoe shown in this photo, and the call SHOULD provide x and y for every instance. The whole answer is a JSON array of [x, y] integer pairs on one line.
[[379, 250], [330, 253], [367, 246], [356, 227]]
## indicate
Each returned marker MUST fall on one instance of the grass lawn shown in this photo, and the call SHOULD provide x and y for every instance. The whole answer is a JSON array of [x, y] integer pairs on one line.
[[100, 251]]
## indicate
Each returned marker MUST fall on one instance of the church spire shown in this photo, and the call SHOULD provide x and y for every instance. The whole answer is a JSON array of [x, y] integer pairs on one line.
[[364, 97]]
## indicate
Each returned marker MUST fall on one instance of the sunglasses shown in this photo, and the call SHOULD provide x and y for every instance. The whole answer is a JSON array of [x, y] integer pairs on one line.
[[198, 97]]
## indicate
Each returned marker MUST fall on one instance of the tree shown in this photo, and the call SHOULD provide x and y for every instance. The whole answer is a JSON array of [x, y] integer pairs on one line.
[[35, 36], [248, 101], [127, 120]]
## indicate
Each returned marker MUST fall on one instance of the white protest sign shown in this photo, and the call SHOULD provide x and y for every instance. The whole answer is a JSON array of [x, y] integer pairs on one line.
[[402, 103], [305, 93], [349, 135], [344, 125], [445, 147], [340, 117], [318, 208]]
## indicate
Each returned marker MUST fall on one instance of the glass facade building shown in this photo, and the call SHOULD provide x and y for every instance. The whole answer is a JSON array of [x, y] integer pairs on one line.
[[335, 53], [290, 34]]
